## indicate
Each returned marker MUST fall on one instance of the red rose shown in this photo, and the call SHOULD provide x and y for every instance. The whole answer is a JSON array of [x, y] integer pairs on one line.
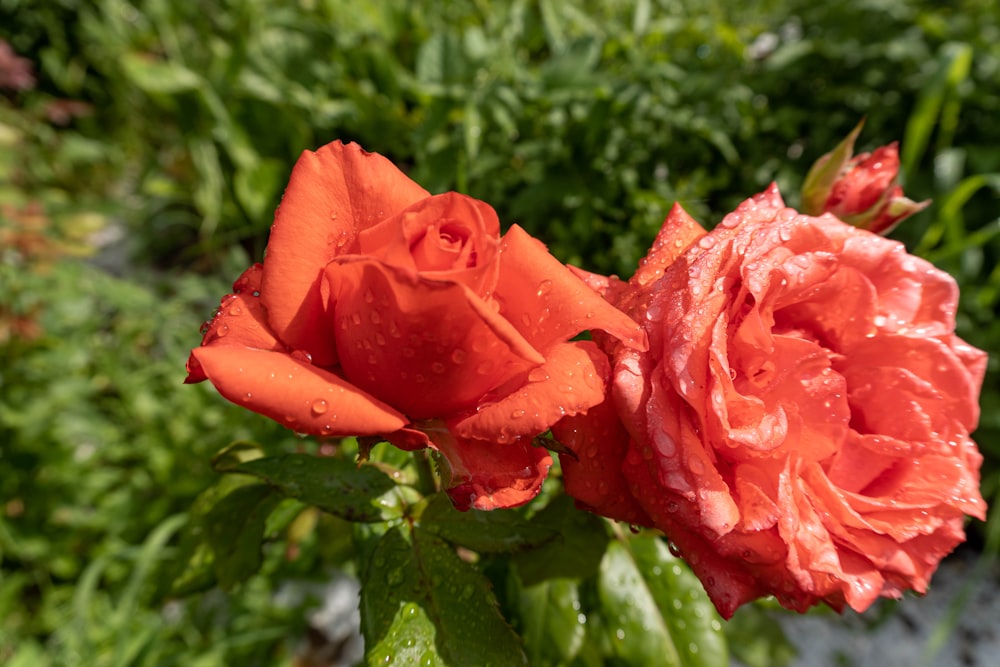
[[862, 190], [381, 310], [800, 424]]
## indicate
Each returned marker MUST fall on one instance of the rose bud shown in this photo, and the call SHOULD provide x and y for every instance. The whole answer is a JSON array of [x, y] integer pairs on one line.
[[862, 190]]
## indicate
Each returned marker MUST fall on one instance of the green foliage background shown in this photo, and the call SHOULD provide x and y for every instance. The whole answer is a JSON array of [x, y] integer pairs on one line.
[[581, 120]]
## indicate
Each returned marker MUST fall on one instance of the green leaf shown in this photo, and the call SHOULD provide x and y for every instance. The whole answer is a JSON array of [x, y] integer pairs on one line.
[[423, 605], [553, 625], [234, 529], [342, 488], [157, 76], [577, 551], [655, 609], [692, 620], [496, 531], [192, 569], [954, 64]]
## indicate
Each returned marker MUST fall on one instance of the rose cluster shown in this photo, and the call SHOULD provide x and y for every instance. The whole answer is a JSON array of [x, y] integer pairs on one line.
[[783, 396]]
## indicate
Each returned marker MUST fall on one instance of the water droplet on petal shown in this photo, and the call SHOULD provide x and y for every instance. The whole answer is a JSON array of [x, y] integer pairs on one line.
[[538, 375], [222, 331], [458, 355], [696, 465], [319, 406]]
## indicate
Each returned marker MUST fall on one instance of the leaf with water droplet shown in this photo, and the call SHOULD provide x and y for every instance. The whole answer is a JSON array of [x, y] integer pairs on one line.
[[494, 531], [234, 530], [192, 568], [550, 615], [639, 583], [342, 488], [439, 611], [575, 553]]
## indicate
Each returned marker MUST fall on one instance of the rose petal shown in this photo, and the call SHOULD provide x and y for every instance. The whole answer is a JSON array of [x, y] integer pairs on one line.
[[444, 237], [300, 396], [571, 380], [593, 475], [332, 195], [678, 232], [728, 584], [240, 322], [547, 303], [486, 475], [955, 393], [429, 348]]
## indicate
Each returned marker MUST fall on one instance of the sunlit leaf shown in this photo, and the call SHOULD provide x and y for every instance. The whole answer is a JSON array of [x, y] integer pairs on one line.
[[422, 605], [234, 530], [496, 531], [345, 489], [552, 624], [655, 609], [575, 553], [159, 76]]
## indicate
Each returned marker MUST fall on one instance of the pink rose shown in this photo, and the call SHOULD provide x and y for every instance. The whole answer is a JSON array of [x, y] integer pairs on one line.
[[799, 426]]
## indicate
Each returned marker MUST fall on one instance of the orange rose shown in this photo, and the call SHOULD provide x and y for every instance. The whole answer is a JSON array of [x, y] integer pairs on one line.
[[800, 424], [381, 310]]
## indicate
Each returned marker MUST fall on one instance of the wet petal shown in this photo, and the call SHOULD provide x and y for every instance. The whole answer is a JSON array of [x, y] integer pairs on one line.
[[430, 348], [547, 303], [571, 380], [239, 322], [678, 232], [298, 395], [486, 475], [332, 195], [593, 476]]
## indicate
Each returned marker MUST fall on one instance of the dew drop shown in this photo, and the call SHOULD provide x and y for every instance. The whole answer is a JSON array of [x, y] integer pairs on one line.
[[538, 375], [458, 356], [437, 367], [222, 331], [319, 407]]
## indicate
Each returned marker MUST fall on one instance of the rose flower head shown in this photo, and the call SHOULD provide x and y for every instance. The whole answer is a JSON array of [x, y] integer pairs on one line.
[[381, 310], [862, 190], [799, 426]]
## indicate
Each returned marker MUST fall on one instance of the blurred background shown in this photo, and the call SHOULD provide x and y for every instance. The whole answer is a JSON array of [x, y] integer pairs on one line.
[[144, 146]]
